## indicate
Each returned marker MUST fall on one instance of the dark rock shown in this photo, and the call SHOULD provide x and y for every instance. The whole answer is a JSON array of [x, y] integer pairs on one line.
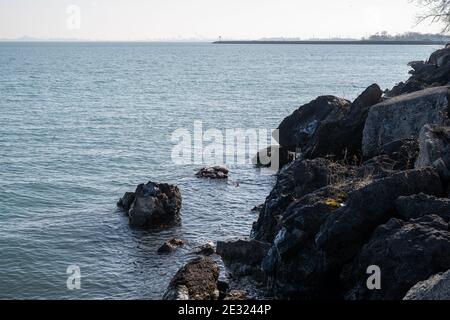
[[346, 231], [406, 253], [295, 181], [296, 130], [410, 86], [155, 206], [223, 288], [217, 172], [243, 257], [434, 289], [197, 280], [236, 295], [434, 142], [207, 249], [258, 208], [274, 156], [419, 205], [126, 201], [342, 138], [403, 117], [170, 246]]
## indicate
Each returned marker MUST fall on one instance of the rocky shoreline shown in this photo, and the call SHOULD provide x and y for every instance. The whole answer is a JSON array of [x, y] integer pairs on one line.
[[368, 187]]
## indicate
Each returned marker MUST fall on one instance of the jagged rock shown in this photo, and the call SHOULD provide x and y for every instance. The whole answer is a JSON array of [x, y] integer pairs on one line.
[[403, 117], [419, 205], [296, 130], [155, 206], [126, 201], [243, 257], [342, 138], [434, 142], [207, 249], [170, 246], [197, 280], [405, 252], [434, 289], [217, 172], [433, 73], [293, 182], [236, 295], [273, 156], [346, 231]]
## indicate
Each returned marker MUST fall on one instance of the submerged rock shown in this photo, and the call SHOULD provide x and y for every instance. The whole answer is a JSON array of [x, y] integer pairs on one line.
[[207, 249], [403, 117], [153, 205], [213, 173], [405, 252], [170, 246], [197, 280], [433, 289]]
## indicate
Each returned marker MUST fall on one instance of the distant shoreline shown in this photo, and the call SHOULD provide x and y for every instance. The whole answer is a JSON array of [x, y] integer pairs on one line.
[[335, 42]]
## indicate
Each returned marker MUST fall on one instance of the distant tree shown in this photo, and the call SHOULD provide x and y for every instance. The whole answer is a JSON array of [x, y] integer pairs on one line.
[[437, 11]]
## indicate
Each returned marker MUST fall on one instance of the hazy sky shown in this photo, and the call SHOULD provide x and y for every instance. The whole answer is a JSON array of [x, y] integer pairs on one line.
[[205, 19]]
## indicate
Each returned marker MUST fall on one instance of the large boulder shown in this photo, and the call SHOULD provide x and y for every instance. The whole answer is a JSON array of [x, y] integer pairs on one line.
[[403, 117], [153, 205], [433, 289], [434, 143], [243, 257], [419, 205], [298, 179], [296, 130], [321, 232], [197, 280], [405, 252], [345, 232], [342, 138]]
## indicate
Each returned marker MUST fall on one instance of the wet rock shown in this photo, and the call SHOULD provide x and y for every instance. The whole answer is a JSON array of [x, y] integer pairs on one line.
[[257, 208], [405, 252], [403, 117], [434, 142], [155, 206], [434, 289], [243, 257], [126, 201], [419, 205], [170, 246], [207, 249], [219, 173], [296, 130], [197, 280]]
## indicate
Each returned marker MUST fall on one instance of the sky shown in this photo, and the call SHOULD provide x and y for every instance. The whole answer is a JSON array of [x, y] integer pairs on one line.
[[130, 20]]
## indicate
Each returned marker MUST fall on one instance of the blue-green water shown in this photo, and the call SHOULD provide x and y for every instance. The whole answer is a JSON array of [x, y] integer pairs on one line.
[[81, 124]]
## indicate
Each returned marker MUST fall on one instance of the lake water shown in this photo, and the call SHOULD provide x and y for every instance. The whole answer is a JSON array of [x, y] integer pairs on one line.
[[81, 124]]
